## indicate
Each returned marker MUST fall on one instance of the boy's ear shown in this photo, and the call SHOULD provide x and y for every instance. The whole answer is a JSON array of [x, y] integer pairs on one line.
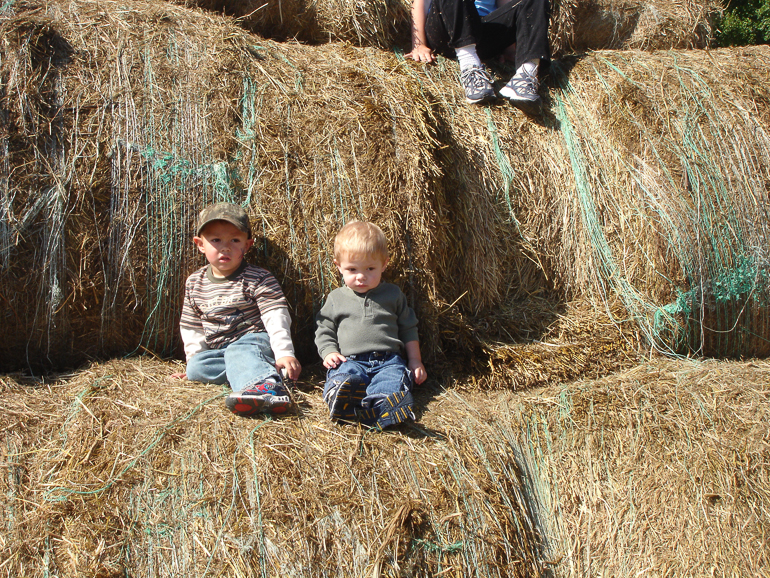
[[385, 263], [198, 243], [249, 244]]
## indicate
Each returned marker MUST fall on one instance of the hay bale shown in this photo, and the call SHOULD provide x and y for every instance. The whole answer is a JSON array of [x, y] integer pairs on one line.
[[380, 23], [117, 469], [121, 123], [659, 470], [580, 25], [662, 469], [576, 25], [665, 204]]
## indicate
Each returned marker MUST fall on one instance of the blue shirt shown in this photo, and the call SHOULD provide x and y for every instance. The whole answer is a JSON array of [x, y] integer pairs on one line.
[[484, 7]]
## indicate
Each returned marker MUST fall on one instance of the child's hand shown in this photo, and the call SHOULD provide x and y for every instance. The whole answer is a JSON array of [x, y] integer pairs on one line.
[[291, 365], [333, 360], [418, 370], [414, 361], [178, 376], [421, 53]]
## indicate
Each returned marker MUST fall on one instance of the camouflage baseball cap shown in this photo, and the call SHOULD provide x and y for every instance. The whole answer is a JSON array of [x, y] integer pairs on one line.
[[224, 212]]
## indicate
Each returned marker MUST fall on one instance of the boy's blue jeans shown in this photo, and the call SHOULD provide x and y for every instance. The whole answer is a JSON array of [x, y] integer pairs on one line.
[[245, 362], [383, 373]]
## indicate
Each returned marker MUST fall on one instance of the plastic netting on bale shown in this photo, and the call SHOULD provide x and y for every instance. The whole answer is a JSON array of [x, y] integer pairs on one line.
[[123, 161], [174, 190], [141, 117], [675, 214]]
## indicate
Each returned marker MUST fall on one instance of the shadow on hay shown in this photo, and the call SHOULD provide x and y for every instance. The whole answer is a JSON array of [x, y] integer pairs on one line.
[[268, 254], [595, 27], [555, 75], [521, 302], [36, 138]]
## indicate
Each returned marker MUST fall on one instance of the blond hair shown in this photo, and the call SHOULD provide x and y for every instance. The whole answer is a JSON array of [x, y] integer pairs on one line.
[[359, 239]]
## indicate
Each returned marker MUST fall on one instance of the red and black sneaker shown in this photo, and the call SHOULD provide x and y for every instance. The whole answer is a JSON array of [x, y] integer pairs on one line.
[[267, 397]]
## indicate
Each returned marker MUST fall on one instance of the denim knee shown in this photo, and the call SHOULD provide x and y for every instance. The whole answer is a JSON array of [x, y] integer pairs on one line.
[[207, 366]]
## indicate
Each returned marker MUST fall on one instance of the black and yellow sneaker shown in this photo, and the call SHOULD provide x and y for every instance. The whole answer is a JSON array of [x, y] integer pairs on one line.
[[343, 396], [395, 409]]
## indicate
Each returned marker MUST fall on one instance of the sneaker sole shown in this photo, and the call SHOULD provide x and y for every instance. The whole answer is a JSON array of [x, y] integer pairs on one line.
[[482, 100], [395, 410], [277, 404], [366, 416], [349, 396], [245, 405]]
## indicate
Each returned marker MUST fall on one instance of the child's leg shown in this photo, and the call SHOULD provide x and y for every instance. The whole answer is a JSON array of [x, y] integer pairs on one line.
[[257, 385], [208, 366], [249, 361], [389, 398], [344, 389]]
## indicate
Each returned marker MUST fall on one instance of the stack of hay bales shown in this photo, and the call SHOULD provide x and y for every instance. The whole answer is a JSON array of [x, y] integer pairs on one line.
[[128, 122], [641, 193], [660, 470], [634, 212]]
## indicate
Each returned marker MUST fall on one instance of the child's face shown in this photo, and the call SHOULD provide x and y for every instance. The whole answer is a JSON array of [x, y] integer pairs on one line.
[[361, 273], [224, 245]]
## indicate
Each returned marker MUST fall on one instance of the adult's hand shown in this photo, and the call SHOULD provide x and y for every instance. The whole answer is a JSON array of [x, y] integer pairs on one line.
[[422, 53]]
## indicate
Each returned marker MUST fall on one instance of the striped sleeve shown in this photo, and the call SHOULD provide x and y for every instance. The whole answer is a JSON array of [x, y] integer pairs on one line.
[[265, 290]]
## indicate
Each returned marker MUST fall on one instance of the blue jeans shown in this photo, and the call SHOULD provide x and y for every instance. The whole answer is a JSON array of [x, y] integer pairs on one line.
[[245, 362], [383, 373]]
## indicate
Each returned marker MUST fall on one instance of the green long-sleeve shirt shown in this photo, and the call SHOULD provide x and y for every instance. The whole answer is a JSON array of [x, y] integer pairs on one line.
[[378, 320]]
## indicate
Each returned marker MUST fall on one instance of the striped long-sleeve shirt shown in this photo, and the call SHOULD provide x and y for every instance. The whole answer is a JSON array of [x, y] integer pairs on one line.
[[217, 311]]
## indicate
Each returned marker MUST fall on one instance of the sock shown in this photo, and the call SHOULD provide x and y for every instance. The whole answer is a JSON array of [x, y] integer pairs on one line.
[[467, 56], [529, 68]]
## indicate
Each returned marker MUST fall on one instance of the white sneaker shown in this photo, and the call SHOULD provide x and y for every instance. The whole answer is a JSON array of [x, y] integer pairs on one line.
[[521, 90], [477, 85]]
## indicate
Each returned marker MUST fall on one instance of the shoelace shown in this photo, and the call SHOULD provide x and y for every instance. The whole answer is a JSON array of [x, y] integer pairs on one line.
[[476, 76], [525, 84]]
